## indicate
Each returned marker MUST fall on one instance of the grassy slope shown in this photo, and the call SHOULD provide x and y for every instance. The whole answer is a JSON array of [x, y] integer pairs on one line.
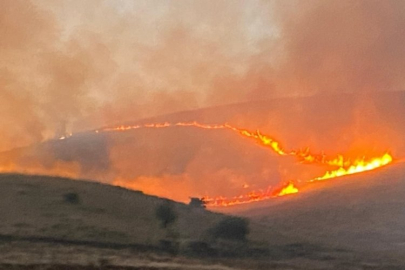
[[35, 206], [362, 212]]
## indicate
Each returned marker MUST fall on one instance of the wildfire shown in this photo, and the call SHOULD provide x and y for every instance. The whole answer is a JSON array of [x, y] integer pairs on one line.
[[289, 189], [253, 196], [344, 166], [260, 138], [357, 167], [304, 156]]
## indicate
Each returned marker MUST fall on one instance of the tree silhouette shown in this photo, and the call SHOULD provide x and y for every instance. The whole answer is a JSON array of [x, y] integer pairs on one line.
[[197, 202], [166, 214]]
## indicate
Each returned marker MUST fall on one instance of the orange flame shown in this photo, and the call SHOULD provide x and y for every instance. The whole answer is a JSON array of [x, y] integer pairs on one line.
[[289, 189], [345, 166], [357, 166], [257, 136], [253, 196]]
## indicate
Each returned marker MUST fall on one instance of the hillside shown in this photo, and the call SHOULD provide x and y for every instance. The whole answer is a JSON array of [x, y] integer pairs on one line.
[[354, 223], [363, 212], [36, 206], [199, 162], [322, 228], [40, 227]]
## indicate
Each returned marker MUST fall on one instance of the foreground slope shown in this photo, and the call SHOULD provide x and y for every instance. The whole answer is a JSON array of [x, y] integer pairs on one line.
[[36, 206], [361, 212], [354, 223]]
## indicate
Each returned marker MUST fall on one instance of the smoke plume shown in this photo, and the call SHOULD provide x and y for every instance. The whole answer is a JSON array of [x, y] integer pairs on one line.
[[71, 66], [74, 65]]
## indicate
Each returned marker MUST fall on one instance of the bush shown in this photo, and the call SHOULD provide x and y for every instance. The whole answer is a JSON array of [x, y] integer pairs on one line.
[[231, 228], [72, 198], [197, 203], [166, 214]]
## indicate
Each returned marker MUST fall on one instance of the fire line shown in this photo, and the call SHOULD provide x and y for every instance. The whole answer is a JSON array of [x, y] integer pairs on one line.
[[342, 166]]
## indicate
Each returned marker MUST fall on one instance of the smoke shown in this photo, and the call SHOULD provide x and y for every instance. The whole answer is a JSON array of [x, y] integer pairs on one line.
[[343, 46], [70, 66], [76, 65]]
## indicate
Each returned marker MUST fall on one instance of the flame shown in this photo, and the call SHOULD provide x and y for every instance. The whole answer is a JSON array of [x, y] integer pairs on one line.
[[345, 166], [289, 189], [304, 156], [341, 165], [260, 138], [358, 166], [253, 196]]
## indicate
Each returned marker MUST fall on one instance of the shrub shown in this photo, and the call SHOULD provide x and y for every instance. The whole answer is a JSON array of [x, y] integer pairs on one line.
[[166, 214], [231, 228], [72, 197], [197, 203]]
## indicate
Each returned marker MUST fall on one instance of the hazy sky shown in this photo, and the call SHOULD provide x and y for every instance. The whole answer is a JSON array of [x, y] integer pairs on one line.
[[89, 63]]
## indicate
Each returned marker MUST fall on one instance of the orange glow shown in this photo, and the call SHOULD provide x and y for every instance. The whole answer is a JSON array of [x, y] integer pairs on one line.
[[345, 166], [253, 196], [289, 189], [357, 166], [260, 138], [334, 166]]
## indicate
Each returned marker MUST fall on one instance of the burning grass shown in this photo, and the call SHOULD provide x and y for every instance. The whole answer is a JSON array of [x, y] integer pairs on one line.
[[340, 165]]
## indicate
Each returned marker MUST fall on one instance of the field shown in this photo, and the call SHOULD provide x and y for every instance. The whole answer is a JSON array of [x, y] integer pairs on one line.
[[116, 228]]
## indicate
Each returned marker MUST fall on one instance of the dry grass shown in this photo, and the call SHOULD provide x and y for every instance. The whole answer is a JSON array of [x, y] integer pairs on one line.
[[112, 228]]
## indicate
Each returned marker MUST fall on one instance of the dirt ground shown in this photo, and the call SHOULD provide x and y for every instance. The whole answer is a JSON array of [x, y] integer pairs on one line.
[[29, 255]]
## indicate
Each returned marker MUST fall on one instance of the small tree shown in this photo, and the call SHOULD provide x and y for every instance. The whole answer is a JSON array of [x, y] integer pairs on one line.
[[166, 214], [231, 228]]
